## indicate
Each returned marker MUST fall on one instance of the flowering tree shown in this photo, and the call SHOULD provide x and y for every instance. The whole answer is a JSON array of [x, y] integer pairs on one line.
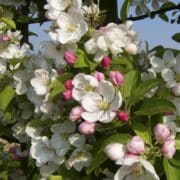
[[91, 104]]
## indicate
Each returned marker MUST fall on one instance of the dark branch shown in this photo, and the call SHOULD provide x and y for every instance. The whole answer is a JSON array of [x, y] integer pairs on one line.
[[152, 14]]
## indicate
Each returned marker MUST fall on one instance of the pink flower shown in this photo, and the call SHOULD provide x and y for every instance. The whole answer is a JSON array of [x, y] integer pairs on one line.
[[116, 77], [106, 62], [68, 84], [176, 89], [136, 146], [70, 57], [75, 113], [161, 132], [87, 128], [169, 148], [123, 116], [67, 94], [99, 76]]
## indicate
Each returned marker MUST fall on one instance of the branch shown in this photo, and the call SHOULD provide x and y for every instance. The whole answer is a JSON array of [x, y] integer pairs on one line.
[[151, 14]]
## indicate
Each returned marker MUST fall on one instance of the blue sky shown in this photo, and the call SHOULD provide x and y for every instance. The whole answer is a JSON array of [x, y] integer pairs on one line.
[[155, 31]]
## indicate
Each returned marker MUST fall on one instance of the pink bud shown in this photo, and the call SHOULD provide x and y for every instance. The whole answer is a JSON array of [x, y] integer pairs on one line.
[[99, 76], [176, 89], [67, 94], [70, 57], [169, 148], [116, 77], [75, 113], [136, 145], [103, 29], [106, 62], [123, 116], [161, 132], [5, 37], [68, 84], [87, 128]]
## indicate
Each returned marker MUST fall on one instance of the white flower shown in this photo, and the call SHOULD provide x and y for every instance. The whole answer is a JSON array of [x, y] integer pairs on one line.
[[101, 105], [79, 159], [63, 138], [41, 150], [71, 27], [83, 84], [47, 169], [92, 10], [168, 66], [55, 7], [142, 170]]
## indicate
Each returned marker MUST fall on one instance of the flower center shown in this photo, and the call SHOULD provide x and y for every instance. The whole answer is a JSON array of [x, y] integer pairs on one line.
[[137, 170], [103, 105], [88, 88], [71, 28]]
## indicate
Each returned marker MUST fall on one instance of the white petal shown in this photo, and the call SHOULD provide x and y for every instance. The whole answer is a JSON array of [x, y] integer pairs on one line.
[[168, 58], [92, 117], [106, 89], [77, 140], [39, 86], [117, 102], [64, 20], [90, 101], [157, 63], [167, 74], [101, 43], [108, 116]]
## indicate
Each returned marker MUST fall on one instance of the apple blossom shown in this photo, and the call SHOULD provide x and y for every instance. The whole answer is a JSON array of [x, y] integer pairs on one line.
[[161, 132], [123, 116], [99, 76], [101, 105], [75, 113], [67, 95], [116, 78], [106, 62], [87, 128], [169, 148], [70, 57], [136, 145]]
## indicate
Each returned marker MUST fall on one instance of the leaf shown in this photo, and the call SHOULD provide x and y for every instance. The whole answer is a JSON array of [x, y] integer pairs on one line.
[[122, 61], [131, 79], [35, 123], [9, 22], [81, 60], [56, 88], [164, 17], [176, 37], [6, 96], [124, 10], [172, 172], [144, 87], [142, 130], [155, 106], [54, 177], [99, 159]]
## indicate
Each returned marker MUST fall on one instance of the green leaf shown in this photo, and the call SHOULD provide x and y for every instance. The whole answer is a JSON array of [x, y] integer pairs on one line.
[[131, 79], [81, 60], [99, 159], [122, 61], [35, 123], [124, 10], [172, 172], [6, 96], [155, 106], [9, 22], [176, 37], [144, 87], [164, 17], [54, 177], [56, 88], [142, 130]]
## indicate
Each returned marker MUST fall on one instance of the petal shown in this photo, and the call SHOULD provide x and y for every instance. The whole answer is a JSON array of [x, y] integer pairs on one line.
[[90, 101], [149, 168], [39, 86], [101, 43], [157, 64], [167, 74], [117, 102], [107, 117], [99, 55], [92, 117], [64, 20], [77, 94], [168, 58], [106, 89], [122, 172], [77, 140]]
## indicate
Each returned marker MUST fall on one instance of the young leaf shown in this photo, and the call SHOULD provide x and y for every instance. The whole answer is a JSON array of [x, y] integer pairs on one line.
[[176, 37], [6, 96], [155, 106], [55, 177], [9, 22], [124, 9]]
